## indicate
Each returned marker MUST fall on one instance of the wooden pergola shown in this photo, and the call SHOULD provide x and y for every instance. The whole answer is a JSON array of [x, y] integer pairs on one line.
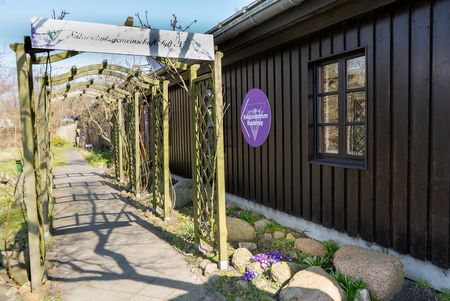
[[206, 137]]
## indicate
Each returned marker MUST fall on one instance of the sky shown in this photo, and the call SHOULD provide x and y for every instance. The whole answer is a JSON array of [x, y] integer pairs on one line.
[[15, 18]]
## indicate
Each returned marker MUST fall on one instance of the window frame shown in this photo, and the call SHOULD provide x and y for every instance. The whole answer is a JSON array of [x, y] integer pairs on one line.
[[341, 158]]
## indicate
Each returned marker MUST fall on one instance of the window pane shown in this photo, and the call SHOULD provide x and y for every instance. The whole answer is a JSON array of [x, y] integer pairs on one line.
[[356, 140], [328, 108], [356, 106], [356, 72], [328, 77], [328, 139]]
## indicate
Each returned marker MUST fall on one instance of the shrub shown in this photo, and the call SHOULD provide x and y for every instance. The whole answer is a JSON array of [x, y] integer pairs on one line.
[[59, 141], [331, 248]]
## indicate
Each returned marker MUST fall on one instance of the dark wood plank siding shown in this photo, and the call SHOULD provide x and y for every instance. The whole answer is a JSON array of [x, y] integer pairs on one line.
[[401, 200]]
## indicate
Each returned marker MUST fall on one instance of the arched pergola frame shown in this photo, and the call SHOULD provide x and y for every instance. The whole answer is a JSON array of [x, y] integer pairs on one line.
[[207, 145]]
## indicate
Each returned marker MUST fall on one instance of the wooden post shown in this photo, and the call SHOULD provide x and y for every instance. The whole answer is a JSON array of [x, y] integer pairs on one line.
[[195, 148], [137, 149], [166, 170], [26, 115], [221, 235], [121, 133], [42, 129]]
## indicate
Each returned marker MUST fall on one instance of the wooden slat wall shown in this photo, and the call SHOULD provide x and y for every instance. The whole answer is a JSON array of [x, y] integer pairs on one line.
[[401, 200]]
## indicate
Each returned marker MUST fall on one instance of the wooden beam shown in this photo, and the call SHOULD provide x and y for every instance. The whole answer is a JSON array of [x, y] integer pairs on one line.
[[23, 74], [194, 147], [137, 149], [120, 127], [166, 171], [221, 235]]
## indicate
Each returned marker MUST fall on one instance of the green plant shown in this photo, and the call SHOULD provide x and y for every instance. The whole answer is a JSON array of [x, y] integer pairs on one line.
[[310, 261], [423, 283], [273, 227], [188, 231], [331, 248], [249, 216], [350, 286], [444, 296], [99, 158], [59, 141]]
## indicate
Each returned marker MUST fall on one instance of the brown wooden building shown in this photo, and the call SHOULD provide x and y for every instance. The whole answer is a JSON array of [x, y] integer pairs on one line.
[[360, 99]]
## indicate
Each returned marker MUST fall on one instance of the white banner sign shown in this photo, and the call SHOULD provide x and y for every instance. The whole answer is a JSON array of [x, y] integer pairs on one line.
[[104, 38]]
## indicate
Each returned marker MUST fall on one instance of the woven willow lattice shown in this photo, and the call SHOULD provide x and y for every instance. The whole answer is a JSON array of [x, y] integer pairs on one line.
[[157, 115], [205, 158]]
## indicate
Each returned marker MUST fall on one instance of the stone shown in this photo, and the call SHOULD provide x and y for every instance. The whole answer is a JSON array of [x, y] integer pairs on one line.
[[183, 198], [255, 266], [281, 272], [184, 184], [204, 263], [278, 234], [241, 258], [210, 268], [267, 236], [264, 285], [32, 297], [261, 224], [24, 288], [382, 273], [239, 230], [289, 236], [310, 246], [312, 284], [19, 274], [248, 245], [363, 295]]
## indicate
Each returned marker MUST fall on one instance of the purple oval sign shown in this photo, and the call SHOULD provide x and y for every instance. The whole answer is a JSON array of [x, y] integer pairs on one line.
[[255, 117]]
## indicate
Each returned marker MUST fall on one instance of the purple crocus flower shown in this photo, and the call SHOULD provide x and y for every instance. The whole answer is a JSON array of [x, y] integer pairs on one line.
[[274, 256], [262, 259], [250, 274]]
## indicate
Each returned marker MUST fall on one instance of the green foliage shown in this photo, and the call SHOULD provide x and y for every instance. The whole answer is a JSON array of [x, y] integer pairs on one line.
[[311, 261], [331, 248], [8, 167], [273, 227], [99, 158], [188, 231], [423, 283], [444, 296], [59, 141], [350, 286], [249, 216]]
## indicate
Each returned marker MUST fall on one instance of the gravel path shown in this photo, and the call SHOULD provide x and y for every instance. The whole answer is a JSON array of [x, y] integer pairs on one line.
[[103, 250]]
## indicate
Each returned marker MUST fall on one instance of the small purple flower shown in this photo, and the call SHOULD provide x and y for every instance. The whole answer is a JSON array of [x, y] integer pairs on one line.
[[275, 256], [288, 258], [262, 259], [249, 274]]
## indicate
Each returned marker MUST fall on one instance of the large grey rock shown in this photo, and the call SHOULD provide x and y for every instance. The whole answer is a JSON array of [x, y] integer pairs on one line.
[[312, 284], [239, 230], [184, 184], [310, 246], [261, 224], [382, 273], [183, 198], [241, 258]]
